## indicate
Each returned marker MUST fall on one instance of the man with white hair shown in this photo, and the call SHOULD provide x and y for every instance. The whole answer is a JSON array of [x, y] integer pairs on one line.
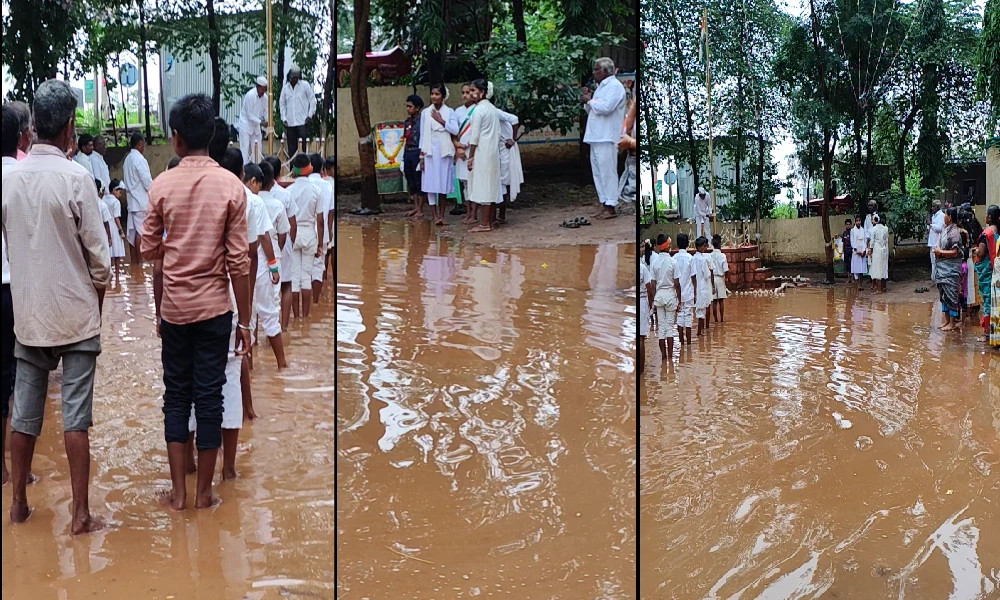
[[298, 105], [703, 213], [605, 114], [253, 116]]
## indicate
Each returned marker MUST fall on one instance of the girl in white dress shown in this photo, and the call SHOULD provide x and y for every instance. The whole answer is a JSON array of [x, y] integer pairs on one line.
[[859, 245], [879, 251], [113, 199], [484, 154], [437, 153]]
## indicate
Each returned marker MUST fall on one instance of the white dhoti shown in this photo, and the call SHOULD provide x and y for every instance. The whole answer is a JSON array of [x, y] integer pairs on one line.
[[933, 263], [251, 146], [604, 164], [516, 172], [703, 226], [135, 220]]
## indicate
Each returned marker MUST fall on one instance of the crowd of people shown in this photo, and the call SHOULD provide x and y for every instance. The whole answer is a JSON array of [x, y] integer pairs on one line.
[[234, 253], [678, 290], [471, 153]]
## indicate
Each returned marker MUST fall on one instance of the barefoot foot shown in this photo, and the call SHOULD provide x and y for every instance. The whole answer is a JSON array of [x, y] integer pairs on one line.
[[170, 502], [87, 524], [19, 513], [229, 473], [202, 503]]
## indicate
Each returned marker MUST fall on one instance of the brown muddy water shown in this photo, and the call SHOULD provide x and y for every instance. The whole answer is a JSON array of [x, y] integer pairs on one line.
[[485, 418], [822, 446], [271, 538]]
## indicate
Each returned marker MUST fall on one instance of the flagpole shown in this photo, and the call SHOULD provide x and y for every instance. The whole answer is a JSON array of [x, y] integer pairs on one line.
[[270, 84], [711, 153]]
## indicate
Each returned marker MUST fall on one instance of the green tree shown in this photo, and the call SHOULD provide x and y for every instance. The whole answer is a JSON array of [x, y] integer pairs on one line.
[[988, 56], [39, 37]]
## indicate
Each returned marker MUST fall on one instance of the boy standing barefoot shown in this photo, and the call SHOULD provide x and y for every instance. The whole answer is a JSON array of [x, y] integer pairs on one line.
[[204, 209]]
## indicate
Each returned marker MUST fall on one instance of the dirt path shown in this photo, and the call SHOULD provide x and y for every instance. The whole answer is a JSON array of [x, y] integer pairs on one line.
[[532, 221]]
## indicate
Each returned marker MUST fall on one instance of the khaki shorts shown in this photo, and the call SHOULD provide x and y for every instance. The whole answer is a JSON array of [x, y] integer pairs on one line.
[[79, 364]]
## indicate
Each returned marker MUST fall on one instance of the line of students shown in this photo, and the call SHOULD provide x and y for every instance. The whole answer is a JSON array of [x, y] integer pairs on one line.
[[679, 289]]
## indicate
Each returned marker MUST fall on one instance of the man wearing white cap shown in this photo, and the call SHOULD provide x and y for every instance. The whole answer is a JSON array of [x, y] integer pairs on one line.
[[253, 116], [703, 213]]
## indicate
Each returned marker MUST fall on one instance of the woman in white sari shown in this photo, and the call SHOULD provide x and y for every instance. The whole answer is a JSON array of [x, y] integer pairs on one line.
[[484, 155]]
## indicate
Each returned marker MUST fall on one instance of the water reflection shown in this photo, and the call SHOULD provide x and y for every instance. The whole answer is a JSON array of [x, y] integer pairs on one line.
[[821, 445], [486, 432]]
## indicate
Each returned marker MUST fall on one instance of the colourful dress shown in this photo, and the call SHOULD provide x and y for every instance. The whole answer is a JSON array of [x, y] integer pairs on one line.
[[995, 299], [984, 274]]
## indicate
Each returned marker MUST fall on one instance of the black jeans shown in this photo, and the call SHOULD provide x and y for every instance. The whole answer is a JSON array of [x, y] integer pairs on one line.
[[194, 371], [9, 362], [294, 135]]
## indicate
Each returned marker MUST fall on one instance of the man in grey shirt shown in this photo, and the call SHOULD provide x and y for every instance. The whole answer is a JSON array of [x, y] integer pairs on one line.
[[60, 267]]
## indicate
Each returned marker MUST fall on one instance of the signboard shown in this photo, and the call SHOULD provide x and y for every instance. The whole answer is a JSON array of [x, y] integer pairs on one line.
[[88, 91], [659, 189], [389, 144], [670, 177], [128, 75]]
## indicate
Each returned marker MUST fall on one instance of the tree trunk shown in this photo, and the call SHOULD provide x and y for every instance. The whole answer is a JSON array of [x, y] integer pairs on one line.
[[761, 147], [688, 111], [213, 54], [901, 148], [283, 40], [517, 12], [328, 88], [359, 100], [145, 70], [828, 151]]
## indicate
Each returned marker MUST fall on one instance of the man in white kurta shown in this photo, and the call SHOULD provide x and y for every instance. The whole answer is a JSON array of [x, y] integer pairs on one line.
[[297, 104], [101, 170], [484, 159], [137, 180], [703, 213], [253, 116], [934, 230], [605, 115], [84, 148], [511, 175]]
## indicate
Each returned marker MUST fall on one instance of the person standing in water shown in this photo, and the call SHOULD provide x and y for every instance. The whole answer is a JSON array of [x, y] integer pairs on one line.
[[310, 228], [484, 155], [204, 208], [720, 267], [666, 297], [325, 208], [685, 275], [291, 210], [268, 292], [137, 179], [703, 279], [59, 271]]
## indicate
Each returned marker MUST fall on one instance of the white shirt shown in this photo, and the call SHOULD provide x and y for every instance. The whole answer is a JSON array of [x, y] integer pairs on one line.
[[325, 204], [253, 113], [683, 271], [702, 204], [606, 112], [84, 161], [276, 212], [258, 222], [282, 195], [297, 103], [7, 160], [663, 268], [937, 226], [137, 180], [859, 241], [306, 197], [719, 263], [703, 277], [101, 170]]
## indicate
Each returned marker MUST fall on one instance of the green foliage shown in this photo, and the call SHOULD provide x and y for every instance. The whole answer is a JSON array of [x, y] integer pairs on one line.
[[988, 81], [537, 86], [906, 216], [784, 211], [39, 41]]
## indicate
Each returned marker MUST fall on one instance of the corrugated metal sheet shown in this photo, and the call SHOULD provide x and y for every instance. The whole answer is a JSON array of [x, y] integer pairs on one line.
[[725, 172], [182, 77]]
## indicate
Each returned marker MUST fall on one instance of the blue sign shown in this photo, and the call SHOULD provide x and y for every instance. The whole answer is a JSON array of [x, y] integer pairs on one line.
[[128, 74], [670, 177]]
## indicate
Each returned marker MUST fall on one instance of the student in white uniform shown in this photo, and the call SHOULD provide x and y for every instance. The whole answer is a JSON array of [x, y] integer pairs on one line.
[[253, 116], [324, 208], [643, 298], [113, 200], [109, 222], [605, 115], [511, 176], [291, 210], [330, 176], [859, 245], [667, 296], [437, 153], [684, 273], [137, 180], [720, 266], [934, 229], [703, 279], [310, 222], [484, 155], [459, 126], [267, 295]]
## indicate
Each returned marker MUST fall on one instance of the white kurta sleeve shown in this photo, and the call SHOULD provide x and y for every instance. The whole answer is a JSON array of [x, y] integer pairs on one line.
[[250, 112], [453, 124], [283, 103], [610, 98]]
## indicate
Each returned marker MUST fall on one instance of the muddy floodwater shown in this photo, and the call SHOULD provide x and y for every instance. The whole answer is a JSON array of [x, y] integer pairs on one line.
[[822, 446], [272, 537], [485, 417]]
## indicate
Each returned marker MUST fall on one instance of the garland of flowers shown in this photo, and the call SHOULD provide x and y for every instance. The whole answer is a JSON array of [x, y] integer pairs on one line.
[[381, 147]]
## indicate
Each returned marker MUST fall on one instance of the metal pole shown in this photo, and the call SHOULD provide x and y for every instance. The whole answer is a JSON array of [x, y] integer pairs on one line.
[[270, 82], [711, 153]]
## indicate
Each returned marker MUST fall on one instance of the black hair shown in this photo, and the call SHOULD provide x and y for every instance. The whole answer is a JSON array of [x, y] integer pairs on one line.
[[440, 88], [330, 164], [415, 100], [481, 85], [220, 141], [993, 216], [661, 239], [84, 140], [114, 184], [232, 161], [717, 241], [173, 162], [952, 213], [849, 222], [100, 186], [192, 119], [301, 161], [11, 130], [136, 139], [971, 224], [647, 251], [701, 242], [267, 172], [252, 171], [317, 163], [275, 163], [682, 241]]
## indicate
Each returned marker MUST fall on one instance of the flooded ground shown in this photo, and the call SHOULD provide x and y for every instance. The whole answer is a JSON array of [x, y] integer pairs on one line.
[[820, 446], [485, 416], [271, 538]]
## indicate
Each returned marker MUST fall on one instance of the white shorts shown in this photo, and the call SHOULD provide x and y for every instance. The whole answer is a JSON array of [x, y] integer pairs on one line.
[[302, 268], [232, 395], [318, 267], [720, 292], [699, 313], [685, 314], [286, 261], [135, 220], [267, 302], [666, 319]]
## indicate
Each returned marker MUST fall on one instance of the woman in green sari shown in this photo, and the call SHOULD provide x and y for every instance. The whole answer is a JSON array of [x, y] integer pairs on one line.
[[983, 256]]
